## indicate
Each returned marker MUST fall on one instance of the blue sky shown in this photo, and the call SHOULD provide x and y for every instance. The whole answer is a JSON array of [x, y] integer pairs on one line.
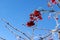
[[17, 13]]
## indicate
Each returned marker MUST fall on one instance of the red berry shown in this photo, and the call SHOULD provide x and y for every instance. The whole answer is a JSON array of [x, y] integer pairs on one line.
[[40, 17], [31, 18], [52, 1], [36, 13], [57, 18], [30, 23]]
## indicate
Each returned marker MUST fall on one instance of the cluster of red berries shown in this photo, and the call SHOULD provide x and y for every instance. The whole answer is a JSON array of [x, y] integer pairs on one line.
[[51, 1], [34, 17]]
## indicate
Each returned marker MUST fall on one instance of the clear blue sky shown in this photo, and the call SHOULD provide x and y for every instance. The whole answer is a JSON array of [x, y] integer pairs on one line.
[[17, 13]]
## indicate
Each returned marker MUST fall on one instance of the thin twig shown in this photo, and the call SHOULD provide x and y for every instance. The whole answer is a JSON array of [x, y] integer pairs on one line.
[[15, 28]]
